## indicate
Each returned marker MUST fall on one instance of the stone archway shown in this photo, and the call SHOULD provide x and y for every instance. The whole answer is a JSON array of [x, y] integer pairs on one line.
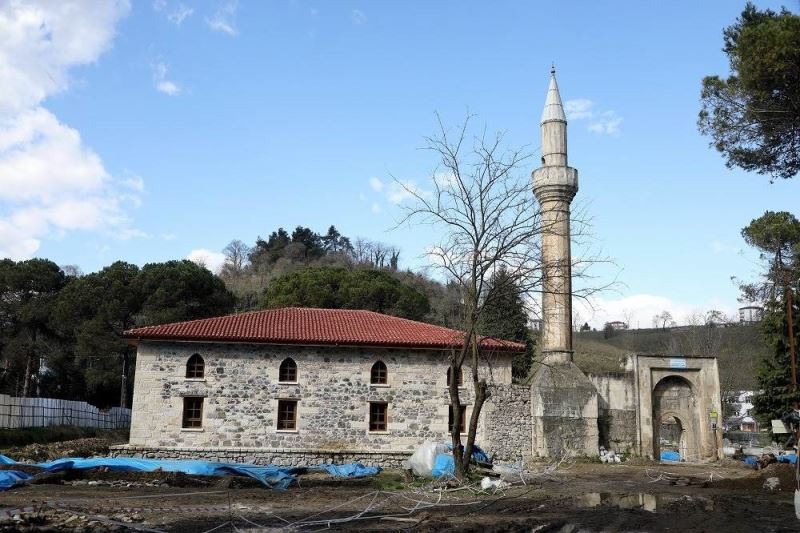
[[675, 414]]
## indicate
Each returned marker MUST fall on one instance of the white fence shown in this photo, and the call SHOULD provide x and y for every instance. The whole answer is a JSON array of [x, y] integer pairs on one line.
[[17, 413]]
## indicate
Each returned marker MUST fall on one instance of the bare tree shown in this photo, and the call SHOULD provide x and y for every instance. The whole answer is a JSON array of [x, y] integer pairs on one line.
[[663, 320], [489, 220], [236, 254]]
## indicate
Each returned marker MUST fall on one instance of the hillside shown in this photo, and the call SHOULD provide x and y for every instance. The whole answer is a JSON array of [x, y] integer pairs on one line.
[[739, 349]]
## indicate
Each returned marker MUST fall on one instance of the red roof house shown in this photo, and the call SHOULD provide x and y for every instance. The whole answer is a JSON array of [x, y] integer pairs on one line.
[[310, 326]]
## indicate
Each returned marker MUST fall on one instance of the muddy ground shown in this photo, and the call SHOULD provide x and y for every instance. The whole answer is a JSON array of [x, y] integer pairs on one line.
[[578, 497]]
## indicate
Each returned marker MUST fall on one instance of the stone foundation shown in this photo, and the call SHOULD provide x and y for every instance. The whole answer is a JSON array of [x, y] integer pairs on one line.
[[564, 409], [265, 456]]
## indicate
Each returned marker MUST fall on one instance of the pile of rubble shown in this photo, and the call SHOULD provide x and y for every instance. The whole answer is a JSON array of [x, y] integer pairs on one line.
[[53, 519]]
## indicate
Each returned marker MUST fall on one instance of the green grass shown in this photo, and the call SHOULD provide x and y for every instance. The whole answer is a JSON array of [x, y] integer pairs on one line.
[[740, 350], [23, 437]]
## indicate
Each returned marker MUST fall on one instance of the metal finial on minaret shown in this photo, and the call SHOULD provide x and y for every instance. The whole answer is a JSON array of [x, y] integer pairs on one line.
[[555, 185], [553, 68]]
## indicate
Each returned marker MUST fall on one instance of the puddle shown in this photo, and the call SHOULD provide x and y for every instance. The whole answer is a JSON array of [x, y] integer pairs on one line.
[[639, 500]]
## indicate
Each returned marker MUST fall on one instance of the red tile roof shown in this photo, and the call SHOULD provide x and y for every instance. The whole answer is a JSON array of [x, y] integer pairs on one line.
[[294, 325]]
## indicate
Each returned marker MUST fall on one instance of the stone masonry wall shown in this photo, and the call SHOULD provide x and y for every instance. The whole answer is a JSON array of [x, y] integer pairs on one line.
[[261, 456], [508, 423], [616, 410], [241, 393]]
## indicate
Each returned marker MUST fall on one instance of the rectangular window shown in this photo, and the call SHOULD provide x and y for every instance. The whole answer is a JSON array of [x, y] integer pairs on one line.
[[192, 412], [378, 416], [451, 419], [459, 375], [287, 414]]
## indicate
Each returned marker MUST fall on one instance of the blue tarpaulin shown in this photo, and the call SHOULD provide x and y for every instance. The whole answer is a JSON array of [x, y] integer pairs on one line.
[[443, 464], [751, 460], [12, 478], [276, 477], [787, 458], [669, 455]]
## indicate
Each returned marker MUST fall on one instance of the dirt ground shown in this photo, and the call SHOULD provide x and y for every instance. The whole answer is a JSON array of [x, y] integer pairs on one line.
[[578, 497]]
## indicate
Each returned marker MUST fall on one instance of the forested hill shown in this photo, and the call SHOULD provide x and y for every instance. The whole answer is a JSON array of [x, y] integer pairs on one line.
[[739, 349]]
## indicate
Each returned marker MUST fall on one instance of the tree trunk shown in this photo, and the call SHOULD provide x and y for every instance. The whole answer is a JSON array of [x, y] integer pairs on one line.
[[26, 380], [455, 405], [123, 391]]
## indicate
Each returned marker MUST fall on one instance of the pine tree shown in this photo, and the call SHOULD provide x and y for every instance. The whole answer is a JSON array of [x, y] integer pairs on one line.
[[774, 375], [504, 317]]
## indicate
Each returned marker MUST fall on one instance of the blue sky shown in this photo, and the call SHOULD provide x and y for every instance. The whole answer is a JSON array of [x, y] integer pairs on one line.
[[151, 130]]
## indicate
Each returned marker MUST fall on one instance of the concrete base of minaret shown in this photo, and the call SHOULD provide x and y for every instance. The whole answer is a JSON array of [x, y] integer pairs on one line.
[[564, 408]]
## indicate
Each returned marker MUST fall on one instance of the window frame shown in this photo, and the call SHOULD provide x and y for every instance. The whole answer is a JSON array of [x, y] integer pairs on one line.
[[451, 419], [383, 369], [384, 422], [460, 384], [192, 365], [294, 369], [194, 423], [279, 418]]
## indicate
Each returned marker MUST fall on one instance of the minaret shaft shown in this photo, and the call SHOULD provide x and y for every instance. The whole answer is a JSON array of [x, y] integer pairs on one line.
[[555, 185]]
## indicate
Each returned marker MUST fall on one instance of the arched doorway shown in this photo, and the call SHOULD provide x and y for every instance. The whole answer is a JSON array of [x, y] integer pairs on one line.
[[675, 417]]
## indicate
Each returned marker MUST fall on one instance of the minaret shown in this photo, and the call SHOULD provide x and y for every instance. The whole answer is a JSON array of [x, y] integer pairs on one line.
[[564, 403], [555, 185]]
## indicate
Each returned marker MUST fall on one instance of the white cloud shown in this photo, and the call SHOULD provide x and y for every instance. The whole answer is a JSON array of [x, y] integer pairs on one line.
[[639, 309], [398, 192], [213, 261], [223, 20], [376, 184], [42, 40], [607, 123], [159, 5], [578, 108], [604, 122], [162, 84], [181, 13], [358, 17], [376, 209], [168, 236], [50, 183]]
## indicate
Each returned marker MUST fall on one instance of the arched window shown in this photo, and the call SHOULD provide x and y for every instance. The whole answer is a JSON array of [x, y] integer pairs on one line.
[[459, 377], [379, 375], [195, 367], [288, 371]]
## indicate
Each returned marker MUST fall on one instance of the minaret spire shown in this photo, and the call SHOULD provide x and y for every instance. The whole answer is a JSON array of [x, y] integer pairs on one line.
[[555, 184], [553, 108]]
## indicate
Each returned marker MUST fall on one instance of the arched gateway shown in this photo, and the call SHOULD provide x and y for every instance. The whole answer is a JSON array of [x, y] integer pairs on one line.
[[679, 406]]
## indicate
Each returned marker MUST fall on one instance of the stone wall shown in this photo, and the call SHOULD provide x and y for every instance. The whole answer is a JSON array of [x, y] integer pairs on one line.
[[508, 423], [564, 409], [241, 392], [261, 456], [616, 410]]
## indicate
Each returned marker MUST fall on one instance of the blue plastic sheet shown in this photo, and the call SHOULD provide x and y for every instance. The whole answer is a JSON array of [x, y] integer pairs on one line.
[[787, 458], [352, 470], [669, 455], [751, 460], [276, 477], [12, 478], [443, 465]]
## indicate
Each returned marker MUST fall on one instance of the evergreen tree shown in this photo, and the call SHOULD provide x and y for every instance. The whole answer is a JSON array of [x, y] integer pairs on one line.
[[774, 375], [752, 115], [777, 236], [339, 288], [504, 317]]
